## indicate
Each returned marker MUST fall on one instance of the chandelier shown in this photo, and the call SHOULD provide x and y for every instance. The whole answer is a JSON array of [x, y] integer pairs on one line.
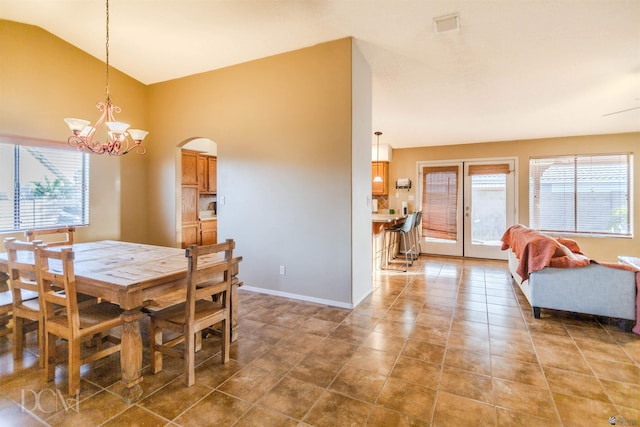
[[378, 178], [119, 138]]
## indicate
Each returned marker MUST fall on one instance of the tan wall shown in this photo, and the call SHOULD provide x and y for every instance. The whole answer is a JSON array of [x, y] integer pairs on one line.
[[283, 129], [44, 79], [282, 126], [601, 249]]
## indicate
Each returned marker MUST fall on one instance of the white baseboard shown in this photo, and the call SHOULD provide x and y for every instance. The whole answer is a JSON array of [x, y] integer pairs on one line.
[[298, 297]]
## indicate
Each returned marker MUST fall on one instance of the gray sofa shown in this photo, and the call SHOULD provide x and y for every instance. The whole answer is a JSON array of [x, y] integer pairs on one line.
[[594, 289]]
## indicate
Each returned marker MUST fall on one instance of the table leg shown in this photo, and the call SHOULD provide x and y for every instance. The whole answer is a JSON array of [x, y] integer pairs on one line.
[[131, 357]]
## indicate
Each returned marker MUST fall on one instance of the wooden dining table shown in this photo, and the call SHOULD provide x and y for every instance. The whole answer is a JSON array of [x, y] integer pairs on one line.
[[134, 276]]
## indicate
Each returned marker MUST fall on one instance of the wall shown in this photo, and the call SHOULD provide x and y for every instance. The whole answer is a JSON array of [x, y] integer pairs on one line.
[[361, 176], [283, 129], [601, 249], [45, 79]]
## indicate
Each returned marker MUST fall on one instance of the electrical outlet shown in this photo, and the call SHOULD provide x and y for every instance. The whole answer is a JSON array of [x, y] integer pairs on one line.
[[283, 270]]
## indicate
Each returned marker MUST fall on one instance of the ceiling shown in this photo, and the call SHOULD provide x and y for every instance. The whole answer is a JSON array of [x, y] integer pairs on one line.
[[515, 69]]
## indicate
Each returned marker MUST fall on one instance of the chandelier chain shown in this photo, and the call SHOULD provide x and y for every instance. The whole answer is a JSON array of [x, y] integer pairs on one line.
[[106, 45]]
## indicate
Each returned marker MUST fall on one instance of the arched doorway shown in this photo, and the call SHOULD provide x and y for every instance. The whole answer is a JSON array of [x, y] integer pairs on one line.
[[196, 192]]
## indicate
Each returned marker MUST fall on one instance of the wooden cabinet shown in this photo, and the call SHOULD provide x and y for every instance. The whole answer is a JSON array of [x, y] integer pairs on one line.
[[207, 182], [189, 167], [209, 232], [380, 169], [213, 177], [189, 204], [203, 174], [189, 208], [190, 234], [198, 177]]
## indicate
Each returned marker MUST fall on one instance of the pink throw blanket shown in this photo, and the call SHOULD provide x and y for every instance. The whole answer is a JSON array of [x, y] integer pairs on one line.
[[536, 251]]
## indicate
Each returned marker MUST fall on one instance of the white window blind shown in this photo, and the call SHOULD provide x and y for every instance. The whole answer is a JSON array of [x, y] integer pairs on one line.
[[42, 187], [582, 194]]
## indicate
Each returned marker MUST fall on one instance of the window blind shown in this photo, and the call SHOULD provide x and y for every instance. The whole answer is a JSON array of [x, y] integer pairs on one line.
[[582, 194], [42, 187], [439, 202], [497, 169]]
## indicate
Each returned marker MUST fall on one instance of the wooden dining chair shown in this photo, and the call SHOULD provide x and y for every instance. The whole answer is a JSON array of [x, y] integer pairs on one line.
[[6, 305], [25, 305], [64, 318], [207, 276], [37, 233]]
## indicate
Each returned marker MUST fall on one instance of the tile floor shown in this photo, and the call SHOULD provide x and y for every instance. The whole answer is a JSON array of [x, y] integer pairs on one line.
[[450, 343]]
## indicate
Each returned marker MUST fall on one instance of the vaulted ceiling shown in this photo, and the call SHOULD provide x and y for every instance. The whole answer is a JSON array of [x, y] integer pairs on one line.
[[514, 69]]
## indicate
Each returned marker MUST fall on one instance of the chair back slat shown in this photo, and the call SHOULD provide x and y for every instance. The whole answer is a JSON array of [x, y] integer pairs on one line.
[[67, 231]]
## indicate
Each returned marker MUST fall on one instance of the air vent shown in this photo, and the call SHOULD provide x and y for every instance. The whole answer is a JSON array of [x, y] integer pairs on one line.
[[443, 24]]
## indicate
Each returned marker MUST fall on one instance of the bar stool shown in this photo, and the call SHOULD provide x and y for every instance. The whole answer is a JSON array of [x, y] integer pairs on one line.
[[399, 234], [416, 235]]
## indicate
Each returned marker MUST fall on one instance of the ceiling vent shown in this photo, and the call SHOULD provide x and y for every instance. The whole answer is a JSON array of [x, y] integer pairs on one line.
[[443, 24]]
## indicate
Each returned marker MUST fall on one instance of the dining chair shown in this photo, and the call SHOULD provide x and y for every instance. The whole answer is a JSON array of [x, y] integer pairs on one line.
[[207, 276], [66, 319], [6, 305], [25, 304], [67, 231]]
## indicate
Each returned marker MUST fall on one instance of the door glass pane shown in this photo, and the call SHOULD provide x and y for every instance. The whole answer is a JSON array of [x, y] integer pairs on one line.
[[489, 208]]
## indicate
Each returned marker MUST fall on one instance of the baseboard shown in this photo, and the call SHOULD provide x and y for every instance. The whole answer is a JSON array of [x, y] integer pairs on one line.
[[297, 297]]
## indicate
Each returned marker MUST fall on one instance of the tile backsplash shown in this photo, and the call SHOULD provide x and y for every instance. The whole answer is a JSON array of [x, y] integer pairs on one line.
[[383, 202]]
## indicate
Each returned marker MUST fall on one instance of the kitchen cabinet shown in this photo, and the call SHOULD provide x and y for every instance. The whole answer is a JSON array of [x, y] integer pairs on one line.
[[189, 208], [213, 175], [209, 232], [189, 204], [206, 166], [190, 234], [380, 188], [189, 167], [198, 177]]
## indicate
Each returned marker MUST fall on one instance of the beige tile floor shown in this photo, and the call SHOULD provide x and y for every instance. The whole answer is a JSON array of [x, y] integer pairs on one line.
[[450, 343]]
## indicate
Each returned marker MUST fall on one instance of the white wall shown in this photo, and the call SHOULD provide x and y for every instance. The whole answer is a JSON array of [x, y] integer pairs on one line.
[[361, 176]]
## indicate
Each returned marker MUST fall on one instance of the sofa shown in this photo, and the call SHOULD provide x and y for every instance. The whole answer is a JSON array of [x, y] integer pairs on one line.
[[555, 274]]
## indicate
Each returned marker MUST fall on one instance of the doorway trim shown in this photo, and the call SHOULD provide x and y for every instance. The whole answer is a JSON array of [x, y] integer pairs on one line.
[[420, 164]]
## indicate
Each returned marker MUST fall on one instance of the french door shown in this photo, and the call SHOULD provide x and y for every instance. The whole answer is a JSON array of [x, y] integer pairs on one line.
[[466, 206]]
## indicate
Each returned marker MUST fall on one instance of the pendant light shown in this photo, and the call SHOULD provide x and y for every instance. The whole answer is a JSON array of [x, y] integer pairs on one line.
[[378, 178], [119, 139]]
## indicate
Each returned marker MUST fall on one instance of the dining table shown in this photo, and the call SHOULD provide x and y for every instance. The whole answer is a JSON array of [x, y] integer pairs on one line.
[[136, 277]]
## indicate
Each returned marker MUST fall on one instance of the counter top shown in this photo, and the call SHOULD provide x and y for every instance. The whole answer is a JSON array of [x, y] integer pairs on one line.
[[381, 221], [207, 216], [377, 217]]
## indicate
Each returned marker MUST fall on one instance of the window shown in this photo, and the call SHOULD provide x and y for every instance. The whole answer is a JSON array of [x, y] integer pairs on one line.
[[582, 194], [42, 187]]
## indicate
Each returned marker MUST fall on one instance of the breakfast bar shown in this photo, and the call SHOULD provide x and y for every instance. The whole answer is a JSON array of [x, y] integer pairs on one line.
[[380, 222]]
